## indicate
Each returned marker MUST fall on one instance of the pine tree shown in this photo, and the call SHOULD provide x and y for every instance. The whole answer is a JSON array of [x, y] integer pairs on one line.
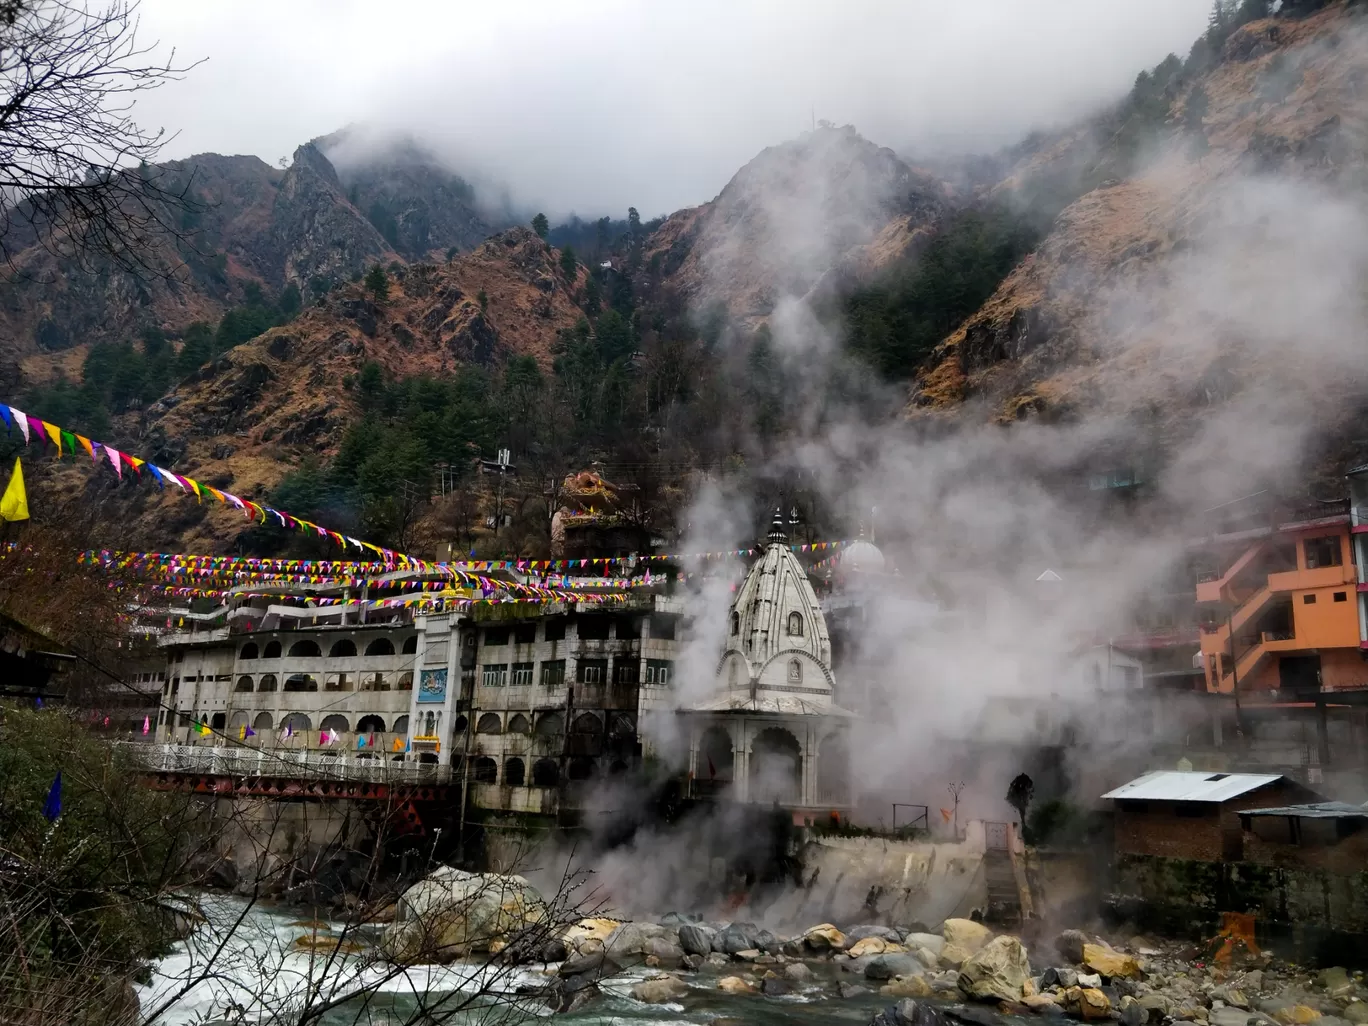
[[377, 283], [541, 226]]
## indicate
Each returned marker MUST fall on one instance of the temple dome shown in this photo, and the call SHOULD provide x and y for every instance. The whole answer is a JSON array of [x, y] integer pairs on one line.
[[862, 556]]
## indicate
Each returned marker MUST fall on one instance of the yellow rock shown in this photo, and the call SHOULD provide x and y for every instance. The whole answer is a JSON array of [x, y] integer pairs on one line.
[[825, 936], [1043, 1003], [1297, 1015], [1028, 989], [497, 945], [966, 934], [1093, 1004], [873, 946], [735, 985], [953, 956], [325, 943], [906, 986], [589, 929], [1110, 963]]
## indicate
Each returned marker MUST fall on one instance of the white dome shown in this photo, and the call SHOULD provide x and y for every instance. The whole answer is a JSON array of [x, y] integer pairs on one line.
[[862, 557]]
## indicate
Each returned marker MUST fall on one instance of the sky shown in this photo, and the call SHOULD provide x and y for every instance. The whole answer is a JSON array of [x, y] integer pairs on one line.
[[593, 106]]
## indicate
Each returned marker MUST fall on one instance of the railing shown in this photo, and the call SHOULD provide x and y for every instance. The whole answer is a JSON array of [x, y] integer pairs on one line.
[[1268, 636], [313, 765]]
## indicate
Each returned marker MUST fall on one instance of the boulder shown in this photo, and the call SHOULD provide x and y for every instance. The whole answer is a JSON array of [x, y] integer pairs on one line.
[[1228, 1017], [1335, 980], [1157, 1006], [737, 937], [660, 990], [1356, 1012], [1231, 996], [908, 1012], [933, 942], [1111, 963], [451, 913], [872, 946], [1059, 977], [594, 964], [953, 956], [1070, 943], [775, 986], [966, 934], [824, 937], [913, 986], [1296, 1015], [1044, 1004], [1093, 980], [696, 939], [885, 967], [572, 993], [996, 972], [665, 951], [735, 985], [1093, 1004], [766, 941], [1132, 1014], [797, 972], [858, 933], [589, 930], [631, 942], [846, 990], [693, 962], [678, 919], [749, 955]]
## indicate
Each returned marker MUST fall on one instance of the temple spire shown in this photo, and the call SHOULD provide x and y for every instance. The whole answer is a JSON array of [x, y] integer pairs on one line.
[[778, 534]]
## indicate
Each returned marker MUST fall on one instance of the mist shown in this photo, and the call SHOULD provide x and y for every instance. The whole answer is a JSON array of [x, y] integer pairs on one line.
[[590, 108]]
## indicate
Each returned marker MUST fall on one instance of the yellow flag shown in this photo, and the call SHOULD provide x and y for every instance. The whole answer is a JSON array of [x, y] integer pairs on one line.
[[14, 503]]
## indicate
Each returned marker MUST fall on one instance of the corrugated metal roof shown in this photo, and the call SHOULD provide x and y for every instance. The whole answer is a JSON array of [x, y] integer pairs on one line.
[[1177, 786], [1315, 810]]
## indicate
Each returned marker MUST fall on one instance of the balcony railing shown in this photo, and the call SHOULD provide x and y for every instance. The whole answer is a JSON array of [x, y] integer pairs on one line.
[[232, 761]]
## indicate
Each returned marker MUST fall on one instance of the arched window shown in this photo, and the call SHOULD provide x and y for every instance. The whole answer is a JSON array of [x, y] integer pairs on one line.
[[459, 727], [345, 647], [337, 682], [622, 725], [218, 721], [795, 625], [267, 683], [400, 725], [580, 769], [301, 682], [587, 723], [485, 770], [550, 725], [519, 724], [405, 681], [297, 722], [733, 674], [370, 725], [249, 651], [335, 722], [244, 683], [489, 723], [305, 649], [795, 672], [735, 623], [515, 773], [272, 650], [262, 722], [545, 773], [410, 645], [380, 647]]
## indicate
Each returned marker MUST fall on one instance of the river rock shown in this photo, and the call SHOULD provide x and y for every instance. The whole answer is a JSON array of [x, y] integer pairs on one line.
[[588, 933], [573, 993], [1062, 976], [1132, 1014], [953, 956], [675, 920], [775, 986], [1297, 1015], [885, 967], [737, 937], [735, 985], [1093, 980], [797, 972], [913, 986], [908, 1012], [749, 955], [696, 939], [846, 990], [1070, 943], [1111, 963], [859, 933], [1335, 980], [933, 942], [451, 913], [872, 946], [1231, 996], [824, 937], [631, 942], [693, 962], [660, 990], [1157, 1006], [1090, 1002], [1356, 1012], [966, 934], [996, 972], [1228, 1017], [1044, 1004]]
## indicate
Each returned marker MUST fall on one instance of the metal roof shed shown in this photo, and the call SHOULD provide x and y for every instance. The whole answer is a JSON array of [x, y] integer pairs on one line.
[[1179, 786]]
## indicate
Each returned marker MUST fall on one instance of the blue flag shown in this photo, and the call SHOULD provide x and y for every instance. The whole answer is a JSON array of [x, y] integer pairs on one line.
[[52, 808]]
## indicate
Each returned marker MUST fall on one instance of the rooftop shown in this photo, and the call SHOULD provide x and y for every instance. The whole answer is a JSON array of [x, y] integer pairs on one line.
[[1314, 810], [1177, 786]]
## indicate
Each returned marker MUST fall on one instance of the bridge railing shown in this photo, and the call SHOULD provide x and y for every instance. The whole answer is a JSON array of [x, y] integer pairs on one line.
[[230, 761]]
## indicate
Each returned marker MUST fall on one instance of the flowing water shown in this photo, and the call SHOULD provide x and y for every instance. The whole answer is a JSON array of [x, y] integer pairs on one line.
[[245, 964]]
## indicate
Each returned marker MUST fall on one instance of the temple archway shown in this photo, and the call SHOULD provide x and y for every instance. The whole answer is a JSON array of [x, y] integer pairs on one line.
[[776, 767], [715, 758]]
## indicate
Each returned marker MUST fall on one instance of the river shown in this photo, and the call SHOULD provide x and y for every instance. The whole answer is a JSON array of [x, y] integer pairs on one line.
[[244, 965]]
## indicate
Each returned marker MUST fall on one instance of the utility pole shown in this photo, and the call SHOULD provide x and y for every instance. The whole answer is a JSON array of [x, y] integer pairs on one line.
[[503, 461]]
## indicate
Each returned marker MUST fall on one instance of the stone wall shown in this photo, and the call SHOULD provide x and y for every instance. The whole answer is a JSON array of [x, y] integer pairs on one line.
[[1301, 913]]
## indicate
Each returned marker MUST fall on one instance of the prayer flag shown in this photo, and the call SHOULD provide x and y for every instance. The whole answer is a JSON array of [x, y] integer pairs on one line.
[[52, 808], [250, 731], [14, 503], [147, 725], [946, 814], [21, 419]]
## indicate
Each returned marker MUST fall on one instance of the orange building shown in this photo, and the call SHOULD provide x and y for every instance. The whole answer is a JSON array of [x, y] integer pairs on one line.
[[1289, 597]]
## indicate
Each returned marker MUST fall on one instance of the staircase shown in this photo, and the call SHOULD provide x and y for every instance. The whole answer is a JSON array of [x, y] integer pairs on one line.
[[1004, 901]]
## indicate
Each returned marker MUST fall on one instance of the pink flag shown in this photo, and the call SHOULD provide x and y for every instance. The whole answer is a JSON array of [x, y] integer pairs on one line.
[[147, 725], [113, 455]]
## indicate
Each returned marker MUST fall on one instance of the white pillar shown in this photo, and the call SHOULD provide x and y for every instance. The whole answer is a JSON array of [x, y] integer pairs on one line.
[[741, 760]]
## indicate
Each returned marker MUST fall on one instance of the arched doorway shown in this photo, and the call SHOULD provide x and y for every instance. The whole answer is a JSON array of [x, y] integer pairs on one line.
[[545, 773], [833, 771], [776, 767], [715, 765], [262, 722], [515, 772]]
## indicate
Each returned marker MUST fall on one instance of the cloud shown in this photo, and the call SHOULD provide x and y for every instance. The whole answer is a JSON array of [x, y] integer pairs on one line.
[[595, 106]]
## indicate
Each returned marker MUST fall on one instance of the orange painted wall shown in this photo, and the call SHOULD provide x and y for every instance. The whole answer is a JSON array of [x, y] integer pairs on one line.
[[1343, 668]]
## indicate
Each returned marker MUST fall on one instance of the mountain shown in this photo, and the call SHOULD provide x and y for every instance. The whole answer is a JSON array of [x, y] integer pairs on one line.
[[830, 203]]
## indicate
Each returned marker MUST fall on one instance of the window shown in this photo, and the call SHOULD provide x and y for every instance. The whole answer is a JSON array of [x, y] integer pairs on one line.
[[336, 682], [267, 683], [545, 773], [489, 723], [400, 725], [592, 671], [587, 723], [338, 723], [515, 773], [342, 648], [218, 722], [1130, 676], [380, 647], [795, 672], [272, 650], [628, 627], [405, 681], [249, 651], [593, 628], [735, 623], [244, 683], [1193, 810], [519, 724], [663, 627], [374, 682], [486, 770], [305, 649], [1322, 551], [733, 673], [626, 671], [555, 629], [496, 636], [301, 682], [659, 672], [795, 625], [550, 724], [1341, 596], [522, 674], [1309, 600], [495, 675], [525, 634], [410, 645], [370, 725], [553, 673]]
